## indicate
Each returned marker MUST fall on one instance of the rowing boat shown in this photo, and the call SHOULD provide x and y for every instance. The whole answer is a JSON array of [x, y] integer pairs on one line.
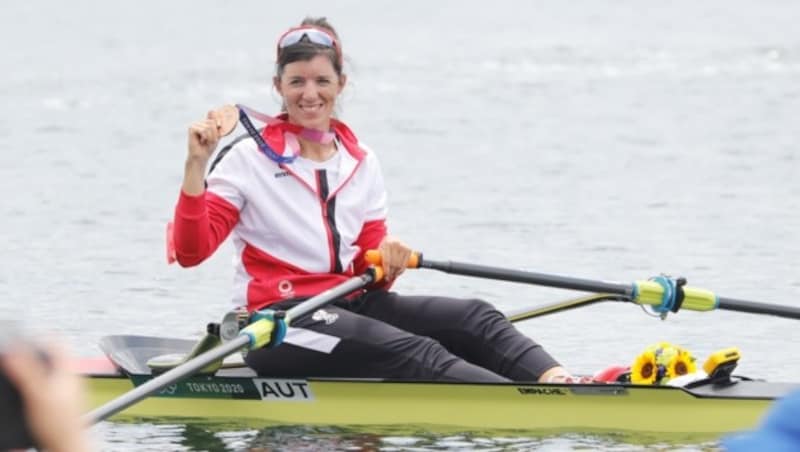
[[718, 403], [239, 394], [234, 392]]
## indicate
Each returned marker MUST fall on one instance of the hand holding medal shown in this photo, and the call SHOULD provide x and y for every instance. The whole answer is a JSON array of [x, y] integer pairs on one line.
[[205, 134]]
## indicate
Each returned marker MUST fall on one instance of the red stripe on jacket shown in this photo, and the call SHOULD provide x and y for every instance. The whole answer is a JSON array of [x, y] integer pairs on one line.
[[203, 222]]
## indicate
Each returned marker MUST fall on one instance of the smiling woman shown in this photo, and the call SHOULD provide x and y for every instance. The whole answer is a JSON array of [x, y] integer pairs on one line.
[[309, 78], [309, 90], [304, 200]]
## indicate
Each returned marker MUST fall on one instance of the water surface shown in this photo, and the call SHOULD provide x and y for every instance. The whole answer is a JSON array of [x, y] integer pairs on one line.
[[611, 140]]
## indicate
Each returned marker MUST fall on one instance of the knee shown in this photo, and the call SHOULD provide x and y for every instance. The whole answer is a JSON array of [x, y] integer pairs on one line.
[[482, 320], [481, 310]]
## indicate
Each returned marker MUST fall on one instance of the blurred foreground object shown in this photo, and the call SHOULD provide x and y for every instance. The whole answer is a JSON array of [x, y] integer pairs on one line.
[[780, 430], [42, 399]]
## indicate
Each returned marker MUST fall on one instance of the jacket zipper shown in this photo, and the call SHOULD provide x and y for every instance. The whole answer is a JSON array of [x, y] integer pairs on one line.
[[328, 207]]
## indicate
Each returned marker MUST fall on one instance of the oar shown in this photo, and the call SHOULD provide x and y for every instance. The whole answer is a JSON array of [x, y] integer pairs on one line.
[[520, 314], [662, 294], [255, 335]]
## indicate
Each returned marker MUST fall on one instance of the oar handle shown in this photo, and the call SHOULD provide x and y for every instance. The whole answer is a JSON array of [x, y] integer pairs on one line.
[[373, 257]]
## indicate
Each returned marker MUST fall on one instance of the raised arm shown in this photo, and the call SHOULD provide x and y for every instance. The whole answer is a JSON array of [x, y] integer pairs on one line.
[[202, 219]]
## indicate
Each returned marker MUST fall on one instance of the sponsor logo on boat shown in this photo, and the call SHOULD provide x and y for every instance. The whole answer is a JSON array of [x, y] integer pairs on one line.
[[169, 390], [543, 391], [321, 315], [206, 388], [280, 174], [214, 388], [295, 390]]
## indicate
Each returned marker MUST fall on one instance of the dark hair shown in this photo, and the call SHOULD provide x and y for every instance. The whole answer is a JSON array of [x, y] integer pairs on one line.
[[306, 50]]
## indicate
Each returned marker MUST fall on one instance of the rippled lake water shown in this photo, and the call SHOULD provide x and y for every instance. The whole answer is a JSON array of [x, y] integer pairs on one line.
[[611, 140]]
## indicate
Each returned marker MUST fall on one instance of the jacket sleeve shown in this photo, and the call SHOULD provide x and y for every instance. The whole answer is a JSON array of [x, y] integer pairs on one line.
[[201, 224], [374, 228], [370, 237]]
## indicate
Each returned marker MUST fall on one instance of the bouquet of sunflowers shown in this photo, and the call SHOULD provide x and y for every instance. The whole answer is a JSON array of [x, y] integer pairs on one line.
[[660, 363]]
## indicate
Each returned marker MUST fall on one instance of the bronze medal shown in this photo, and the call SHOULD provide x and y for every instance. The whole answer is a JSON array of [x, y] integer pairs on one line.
[[227, 118]]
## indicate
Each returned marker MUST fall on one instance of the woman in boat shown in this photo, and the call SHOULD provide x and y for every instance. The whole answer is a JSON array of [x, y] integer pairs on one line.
[[303, 200]]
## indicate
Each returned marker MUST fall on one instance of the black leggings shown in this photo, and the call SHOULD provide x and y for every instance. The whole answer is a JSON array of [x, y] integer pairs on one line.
[[386, 335]]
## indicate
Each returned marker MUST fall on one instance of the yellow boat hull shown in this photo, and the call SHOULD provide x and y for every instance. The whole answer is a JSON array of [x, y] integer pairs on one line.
[[441, 406]]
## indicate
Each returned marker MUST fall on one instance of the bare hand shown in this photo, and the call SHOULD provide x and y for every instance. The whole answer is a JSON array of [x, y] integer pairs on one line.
[[52, 395], [204, 136], [394, 257]]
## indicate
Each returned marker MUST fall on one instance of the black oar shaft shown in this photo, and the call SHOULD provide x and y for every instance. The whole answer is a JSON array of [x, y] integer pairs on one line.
[[691, 298], [752, 307], [542, 279], [195, 364]]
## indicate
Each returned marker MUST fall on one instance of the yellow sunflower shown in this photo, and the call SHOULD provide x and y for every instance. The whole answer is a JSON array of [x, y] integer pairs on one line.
[[681, 364], [644, 370], [665, 352], [663, 345]]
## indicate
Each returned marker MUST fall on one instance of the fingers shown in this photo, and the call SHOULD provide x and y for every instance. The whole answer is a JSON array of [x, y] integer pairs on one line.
[[206, 131], [58, 355], [53, 395], [23, 367], [394, 256], [204, 136]]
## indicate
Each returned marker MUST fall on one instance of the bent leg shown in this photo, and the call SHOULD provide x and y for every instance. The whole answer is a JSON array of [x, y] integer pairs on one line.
[[470, 328], [369, 348]]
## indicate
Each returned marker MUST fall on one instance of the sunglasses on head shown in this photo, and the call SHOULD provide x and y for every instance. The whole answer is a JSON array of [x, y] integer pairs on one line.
[[312, 34]]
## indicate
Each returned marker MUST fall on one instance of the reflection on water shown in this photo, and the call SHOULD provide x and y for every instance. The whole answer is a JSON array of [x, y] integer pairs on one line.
[[232, 437]]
